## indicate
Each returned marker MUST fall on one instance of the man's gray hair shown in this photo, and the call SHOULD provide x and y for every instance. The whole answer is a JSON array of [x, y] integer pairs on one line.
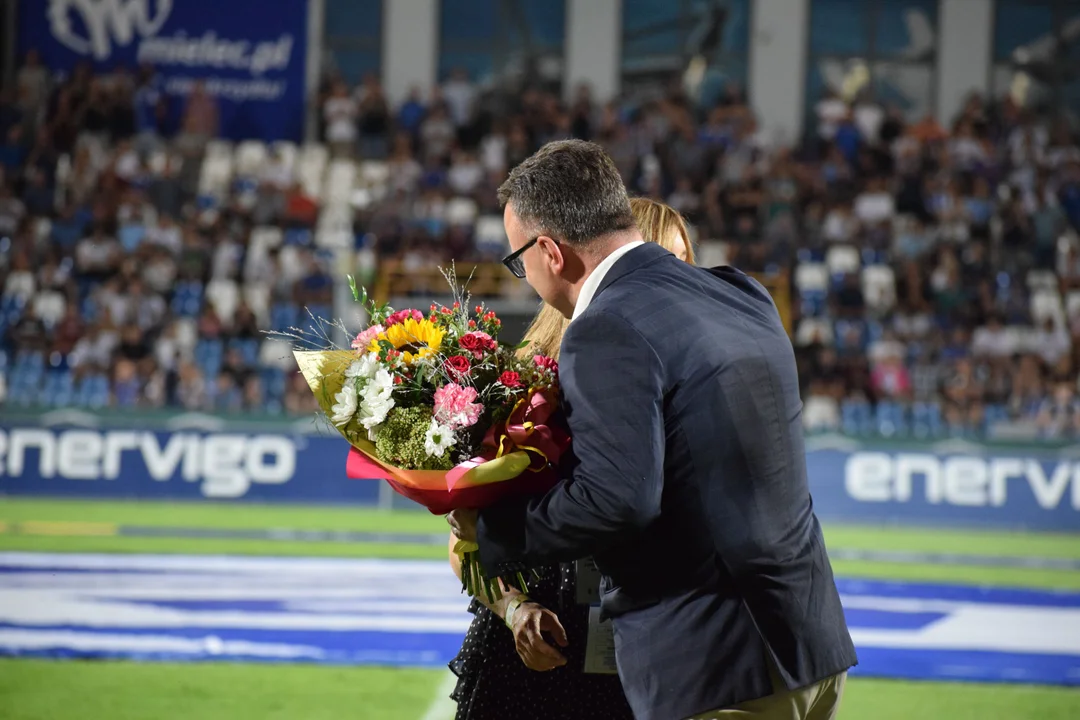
[[571, 190]]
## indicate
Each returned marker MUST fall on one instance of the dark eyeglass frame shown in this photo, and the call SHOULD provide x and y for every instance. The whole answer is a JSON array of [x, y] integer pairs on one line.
[[513, 261]]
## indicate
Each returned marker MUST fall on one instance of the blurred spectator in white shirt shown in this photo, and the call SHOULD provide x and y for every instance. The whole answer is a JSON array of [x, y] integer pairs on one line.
[[869, 117], [166, 234], [993, 340], [437, 135], [340, 113], [821, 411], [12, 210], [876, 204], [460, 96], [1051, 342], [465, 173], [20, 281], [277, 174], [840, 224], [830, 111], [32, 81]]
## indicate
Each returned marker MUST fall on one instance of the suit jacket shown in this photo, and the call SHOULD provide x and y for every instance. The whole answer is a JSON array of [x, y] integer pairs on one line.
[[687, 484]]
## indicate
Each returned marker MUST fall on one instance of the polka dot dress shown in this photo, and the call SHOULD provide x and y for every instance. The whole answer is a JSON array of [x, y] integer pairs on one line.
[[493, 683]]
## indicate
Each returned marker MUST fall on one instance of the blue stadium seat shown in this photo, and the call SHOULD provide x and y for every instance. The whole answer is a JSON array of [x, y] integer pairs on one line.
[[99, 396], [890, 419], [206, 202], [814, 302], [273, 380], [187, 299], [926, 420], [874, 257], [874, 331], [301, 237], [11, 309], [992, 415], [856, 417], [841, 328], [284, 316], [249, 350]]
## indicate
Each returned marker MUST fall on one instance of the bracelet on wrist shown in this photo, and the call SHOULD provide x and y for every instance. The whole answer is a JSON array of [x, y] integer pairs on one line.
[[512, 607]]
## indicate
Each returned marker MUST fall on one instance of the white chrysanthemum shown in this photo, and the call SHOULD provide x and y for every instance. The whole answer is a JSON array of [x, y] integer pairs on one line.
[[365, 367], [439, 439], [345, 405], [377, 399]]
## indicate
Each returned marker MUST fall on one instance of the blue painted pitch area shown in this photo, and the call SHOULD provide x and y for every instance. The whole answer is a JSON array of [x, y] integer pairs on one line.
[[148, 607]]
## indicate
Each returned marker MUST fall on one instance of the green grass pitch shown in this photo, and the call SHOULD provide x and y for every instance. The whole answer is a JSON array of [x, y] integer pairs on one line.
[[48, 690]]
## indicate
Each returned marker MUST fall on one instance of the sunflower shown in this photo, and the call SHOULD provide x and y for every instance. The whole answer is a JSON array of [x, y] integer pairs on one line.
[[415, 339]]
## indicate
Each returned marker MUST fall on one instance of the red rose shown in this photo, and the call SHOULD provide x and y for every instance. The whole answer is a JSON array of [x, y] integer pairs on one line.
[[545, 363], [457, 366], [510, 379], [470, 342], [476, 343]]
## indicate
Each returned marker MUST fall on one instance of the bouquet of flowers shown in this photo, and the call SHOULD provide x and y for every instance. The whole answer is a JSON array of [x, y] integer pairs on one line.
[[436, 406]]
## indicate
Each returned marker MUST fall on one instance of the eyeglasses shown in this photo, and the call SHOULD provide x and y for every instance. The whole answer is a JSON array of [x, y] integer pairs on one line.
[[513, 261]]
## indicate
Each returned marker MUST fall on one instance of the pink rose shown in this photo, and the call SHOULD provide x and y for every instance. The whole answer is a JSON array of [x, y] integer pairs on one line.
[[455, 406], [545, 363], [402, 315], [366, 336]]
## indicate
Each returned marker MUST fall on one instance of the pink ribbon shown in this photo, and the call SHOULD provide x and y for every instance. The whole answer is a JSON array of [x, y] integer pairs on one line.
[[526, 430]]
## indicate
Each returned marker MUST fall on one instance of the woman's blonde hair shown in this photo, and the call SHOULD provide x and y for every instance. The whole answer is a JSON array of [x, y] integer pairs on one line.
[[658, 223]]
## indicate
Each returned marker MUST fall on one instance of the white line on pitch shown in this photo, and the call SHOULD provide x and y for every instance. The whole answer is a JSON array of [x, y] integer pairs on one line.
[[442, 707]]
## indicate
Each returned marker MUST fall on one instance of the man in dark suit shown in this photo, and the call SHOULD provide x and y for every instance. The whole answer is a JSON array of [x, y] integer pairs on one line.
[[688, 480]]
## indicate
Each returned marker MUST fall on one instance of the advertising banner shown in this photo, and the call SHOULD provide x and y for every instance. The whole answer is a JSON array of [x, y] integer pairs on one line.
[[251, 55], [945, 484], [260, 466], [191, 456]]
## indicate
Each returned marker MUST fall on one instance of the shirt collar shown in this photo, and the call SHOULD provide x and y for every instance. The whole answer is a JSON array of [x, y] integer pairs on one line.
[[592, 283]]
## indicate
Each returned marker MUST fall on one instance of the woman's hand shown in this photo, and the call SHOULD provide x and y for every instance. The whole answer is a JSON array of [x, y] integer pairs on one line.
[[530, 621]]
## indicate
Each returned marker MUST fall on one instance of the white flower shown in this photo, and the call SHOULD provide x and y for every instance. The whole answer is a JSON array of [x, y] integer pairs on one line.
[[439, 439], [377, 399], [365, 367], [345, 405]]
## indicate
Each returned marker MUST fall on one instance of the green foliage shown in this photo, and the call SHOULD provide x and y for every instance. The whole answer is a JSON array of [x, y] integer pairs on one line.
[[401, 440], [377, 312]]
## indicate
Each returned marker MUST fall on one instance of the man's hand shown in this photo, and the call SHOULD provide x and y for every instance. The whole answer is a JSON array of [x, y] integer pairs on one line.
[[530, 622], [463, 524]]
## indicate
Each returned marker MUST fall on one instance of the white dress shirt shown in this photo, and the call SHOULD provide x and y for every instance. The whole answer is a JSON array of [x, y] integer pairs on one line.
[[592, 283]]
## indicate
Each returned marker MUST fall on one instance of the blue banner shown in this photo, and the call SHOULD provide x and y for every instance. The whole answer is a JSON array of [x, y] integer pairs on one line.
[[180, 465], [976, 486], [251, 54], [190, 456]]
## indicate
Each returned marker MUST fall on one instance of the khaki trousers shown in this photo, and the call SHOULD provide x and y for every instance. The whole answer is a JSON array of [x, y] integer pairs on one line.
[[820, 701]]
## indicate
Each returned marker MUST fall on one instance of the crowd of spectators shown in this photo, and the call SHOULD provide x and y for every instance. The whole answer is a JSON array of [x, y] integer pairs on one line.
[[935, 271]]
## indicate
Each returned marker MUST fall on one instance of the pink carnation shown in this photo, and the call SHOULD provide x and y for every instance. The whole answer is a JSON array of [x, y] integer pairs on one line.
[[366, 336], [545, 363], [402, 315], [454, 406]]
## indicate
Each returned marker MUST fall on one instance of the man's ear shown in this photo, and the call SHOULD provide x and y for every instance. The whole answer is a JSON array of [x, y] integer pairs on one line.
[[552, 252]]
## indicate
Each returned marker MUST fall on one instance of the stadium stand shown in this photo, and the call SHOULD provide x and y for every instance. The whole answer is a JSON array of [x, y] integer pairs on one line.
[[933, 273]]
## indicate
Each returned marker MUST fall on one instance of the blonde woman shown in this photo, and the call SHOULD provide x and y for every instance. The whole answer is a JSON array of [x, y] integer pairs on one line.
[[523, 656]]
